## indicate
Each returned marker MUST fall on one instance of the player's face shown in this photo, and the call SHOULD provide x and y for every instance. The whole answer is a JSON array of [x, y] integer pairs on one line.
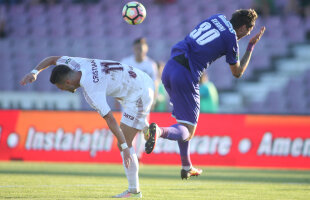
[[249, 30], [244, 31], [140, 49], [66, 87]]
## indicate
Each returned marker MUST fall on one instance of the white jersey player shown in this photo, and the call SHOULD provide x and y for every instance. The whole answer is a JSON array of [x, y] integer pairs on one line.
[[133, 88], [147, 65], [101, 78], [140, 60]]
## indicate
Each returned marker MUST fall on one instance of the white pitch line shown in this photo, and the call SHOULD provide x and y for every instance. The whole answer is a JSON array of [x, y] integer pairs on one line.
[[123, 185], [39, 186], [91, 185]]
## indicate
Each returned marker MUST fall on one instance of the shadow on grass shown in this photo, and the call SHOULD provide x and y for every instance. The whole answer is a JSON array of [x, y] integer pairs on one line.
[[207, 176]]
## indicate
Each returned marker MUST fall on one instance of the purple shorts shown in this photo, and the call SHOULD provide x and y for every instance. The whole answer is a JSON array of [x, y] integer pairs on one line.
[[183, 91]]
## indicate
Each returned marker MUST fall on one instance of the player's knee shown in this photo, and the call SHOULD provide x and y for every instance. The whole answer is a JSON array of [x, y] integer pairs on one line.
[[191, 135], [191, 132]]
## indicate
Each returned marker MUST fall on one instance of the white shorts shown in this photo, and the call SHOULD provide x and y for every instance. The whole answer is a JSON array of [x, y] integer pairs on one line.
[[135, 113]]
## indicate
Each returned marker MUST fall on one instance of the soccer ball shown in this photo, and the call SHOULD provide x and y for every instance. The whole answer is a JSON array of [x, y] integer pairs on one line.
[[134, 13]]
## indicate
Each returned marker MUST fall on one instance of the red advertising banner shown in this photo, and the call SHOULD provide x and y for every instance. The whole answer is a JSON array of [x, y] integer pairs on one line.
[[227, 140], [57, 136], [241, 140]]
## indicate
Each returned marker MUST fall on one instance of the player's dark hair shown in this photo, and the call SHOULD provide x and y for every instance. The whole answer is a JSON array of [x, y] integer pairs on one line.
[[243, 17], [140, 40], [59, 73]]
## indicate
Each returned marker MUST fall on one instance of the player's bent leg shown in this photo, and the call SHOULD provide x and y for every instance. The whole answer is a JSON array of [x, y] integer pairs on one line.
[[132, 173], [177, 132], [187, 169], [191, 129], [129, 133], [138, 143], [133, 170]]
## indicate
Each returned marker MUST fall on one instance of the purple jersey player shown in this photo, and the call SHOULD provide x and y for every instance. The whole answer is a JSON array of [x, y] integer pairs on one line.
[[211, 39]]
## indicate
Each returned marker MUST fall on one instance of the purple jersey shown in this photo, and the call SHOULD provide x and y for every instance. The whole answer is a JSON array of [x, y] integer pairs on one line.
[[211, 39]]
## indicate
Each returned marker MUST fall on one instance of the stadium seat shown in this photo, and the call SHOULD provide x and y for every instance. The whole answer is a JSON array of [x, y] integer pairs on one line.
[[92, 30]]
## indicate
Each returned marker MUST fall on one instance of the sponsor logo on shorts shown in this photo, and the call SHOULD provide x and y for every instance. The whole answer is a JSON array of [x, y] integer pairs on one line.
[[128, 116]]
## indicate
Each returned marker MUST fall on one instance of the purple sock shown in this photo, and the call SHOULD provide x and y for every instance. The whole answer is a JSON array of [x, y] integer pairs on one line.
[[185, 153], [180, 133], [175, 132]]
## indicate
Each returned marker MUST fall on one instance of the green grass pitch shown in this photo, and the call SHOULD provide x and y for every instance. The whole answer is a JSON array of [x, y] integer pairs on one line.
[[28, 180]]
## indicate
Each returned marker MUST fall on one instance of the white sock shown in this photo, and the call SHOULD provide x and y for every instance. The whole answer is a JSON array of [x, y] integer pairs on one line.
[[132, 172], [139, 143]]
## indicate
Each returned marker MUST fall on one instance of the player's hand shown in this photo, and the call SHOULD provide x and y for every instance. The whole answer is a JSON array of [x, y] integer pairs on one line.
[[257, 37], [127, 157], [28, 78]]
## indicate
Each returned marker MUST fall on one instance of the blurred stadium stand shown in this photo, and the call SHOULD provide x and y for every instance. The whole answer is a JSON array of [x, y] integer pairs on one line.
[[276, 81]]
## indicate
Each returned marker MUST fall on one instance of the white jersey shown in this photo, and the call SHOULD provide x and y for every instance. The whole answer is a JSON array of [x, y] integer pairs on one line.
[[101, 78], [148, 66]]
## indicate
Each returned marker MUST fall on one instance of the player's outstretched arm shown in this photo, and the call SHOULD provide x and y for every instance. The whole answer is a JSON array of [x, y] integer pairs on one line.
[[32, 76], [116, 130], [257, 37], [239, 68]]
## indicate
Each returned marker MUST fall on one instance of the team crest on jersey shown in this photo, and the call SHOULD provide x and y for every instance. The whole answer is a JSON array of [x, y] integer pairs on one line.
[[68, 60]]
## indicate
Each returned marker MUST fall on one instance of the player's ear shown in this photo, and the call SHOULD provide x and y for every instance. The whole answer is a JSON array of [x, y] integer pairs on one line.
[[244, 28], [240, 29]]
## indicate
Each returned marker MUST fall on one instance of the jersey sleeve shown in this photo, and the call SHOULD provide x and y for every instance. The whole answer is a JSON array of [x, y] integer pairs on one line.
[[98, 101], [94, 93], [232, 55], [70, 62]]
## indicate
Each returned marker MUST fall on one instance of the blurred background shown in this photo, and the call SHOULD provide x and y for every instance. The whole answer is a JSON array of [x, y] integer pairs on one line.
[[277, 80]]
